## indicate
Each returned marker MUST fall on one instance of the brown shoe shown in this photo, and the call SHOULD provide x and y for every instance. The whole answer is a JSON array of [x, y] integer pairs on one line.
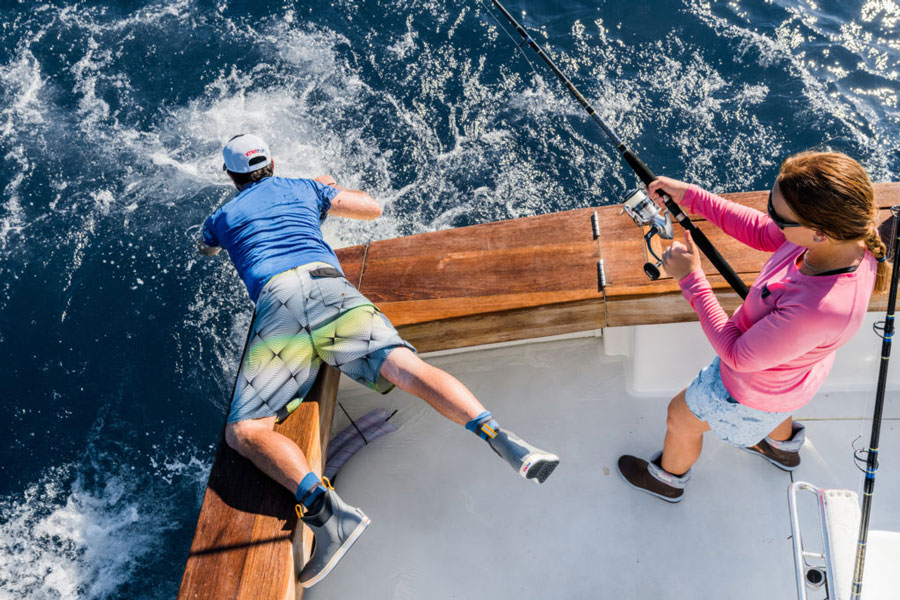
[[651, 478], [784, 455], [786, 461]]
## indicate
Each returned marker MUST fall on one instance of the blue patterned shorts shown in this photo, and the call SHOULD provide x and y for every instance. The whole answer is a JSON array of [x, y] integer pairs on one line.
[[307, 316], [730, 420]]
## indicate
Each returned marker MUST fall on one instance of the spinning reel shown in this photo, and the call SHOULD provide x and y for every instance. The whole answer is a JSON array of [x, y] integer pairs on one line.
[[644, 212]]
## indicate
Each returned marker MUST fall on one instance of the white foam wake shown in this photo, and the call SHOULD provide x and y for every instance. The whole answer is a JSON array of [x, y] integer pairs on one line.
[[81, 534]]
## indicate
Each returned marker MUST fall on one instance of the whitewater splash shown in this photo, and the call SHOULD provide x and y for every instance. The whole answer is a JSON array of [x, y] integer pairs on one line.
[[83, 530], [111, 124]]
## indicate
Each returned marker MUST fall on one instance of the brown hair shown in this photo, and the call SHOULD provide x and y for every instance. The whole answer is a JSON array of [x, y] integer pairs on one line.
[[830, 192], [245, 178]]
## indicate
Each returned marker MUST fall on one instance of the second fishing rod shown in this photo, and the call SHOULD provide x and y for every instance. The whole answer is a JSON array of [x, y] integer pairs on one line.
[[638, 206]]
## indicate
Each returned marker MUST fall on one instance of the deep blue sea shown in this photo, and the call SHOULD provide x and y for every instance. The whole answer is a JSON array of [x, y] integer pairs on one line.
[[118, 343]]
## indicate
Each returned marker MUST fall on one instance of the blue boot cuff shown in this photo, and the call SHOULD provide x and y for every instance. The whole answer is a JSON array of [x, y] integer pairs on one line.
[[307, 485], [477, 421]]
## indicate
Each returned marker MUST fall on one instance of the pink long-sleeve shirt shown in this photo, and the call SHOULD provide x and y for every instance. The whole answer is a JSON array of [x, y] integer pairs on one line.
[[778, 347]]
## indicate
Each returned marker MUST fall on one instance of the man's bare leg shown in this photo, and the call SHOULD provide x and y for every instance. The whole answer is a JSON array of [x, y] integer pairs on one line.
[[335, 524], [684, 437], [281, 459], [444, 392], [272, 453], [447, 395]]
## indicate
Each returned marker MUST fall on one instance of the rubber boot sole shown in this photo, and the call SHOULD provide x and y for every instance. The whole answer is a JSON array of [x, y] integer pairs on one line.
[[538, 466]]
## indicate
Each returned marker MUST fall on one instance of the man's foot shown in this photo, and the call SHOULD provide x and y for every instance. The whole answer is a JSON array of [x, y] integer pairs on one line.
[[651, 478], [784, 455], [531, 463], [336, 526]]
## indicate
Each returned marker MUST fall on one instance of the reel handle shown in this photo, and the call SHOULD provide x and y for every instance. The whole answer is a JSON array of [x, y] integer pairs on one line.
[[652, 270]]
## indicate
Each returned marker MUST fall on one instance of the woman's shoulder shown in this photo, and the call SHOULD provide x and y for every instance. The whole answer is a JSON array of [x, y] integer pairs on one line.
[[824, 292], [847, 294]]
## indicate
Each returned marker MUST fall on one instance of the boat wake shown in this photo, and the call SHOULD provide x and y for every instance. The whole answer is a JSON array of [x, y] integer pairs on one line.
[[85, 530]]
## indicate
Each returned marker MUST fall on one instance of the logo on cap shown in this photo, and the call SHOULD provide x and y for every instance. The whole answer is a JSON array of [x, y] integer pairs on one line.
[[246, 153]]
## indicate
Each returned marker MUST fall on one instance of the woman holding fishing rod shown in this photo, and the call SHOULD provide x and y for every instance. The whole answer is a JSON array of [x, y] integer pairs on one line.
[[776, 350]]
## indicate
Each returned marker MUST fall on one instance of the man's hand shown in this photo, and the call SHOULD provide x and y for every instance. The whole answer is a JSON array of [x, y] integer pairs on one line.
[[326, 180], [207, 250], [680, 259]]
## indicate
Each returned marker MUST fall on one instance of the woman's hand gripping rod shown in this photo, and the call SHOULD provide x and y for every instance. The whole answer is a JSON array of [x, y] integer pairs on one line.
[[700, 239]]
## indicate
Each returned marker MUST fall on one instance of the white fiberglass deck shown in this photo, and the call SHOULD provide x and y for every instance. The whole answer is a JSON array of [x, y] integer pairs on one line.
[[451, 520]]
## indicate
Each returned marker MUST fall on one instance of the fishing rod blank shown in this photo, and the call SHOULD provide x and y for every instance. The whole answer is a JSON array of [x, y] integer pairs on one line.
[[637, 165], [872, 456]]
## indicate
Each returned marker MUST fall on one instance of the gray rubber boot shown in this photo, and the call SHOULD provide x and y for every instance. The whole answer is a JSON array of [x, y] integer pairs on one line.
[[336, 526], [530, 462]]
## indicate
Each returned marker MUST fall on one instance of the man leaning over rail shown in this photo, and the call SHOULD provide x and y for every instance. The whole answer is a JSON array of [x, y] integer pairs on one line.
[[307, 313]]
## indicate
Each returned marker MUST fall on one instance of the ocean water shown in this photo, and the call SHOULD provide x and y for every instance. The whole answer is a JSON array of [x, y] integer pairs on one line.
[[119, 343]]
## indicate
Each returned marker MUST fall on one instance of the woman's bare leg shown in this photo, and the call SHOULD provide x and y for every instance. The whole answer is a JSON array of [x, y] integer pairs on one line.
[[684, 437], [784, 431]]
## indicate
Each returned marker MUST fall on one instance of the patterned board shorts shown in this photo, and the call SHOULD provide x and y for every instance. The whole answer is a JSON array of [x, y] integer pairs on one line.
[[730, 420], [306, 316]]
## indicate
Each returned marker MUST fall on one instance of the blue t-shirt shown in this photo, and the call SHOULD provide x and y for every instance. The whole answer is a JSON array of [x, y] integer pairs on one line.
[[271, 226]]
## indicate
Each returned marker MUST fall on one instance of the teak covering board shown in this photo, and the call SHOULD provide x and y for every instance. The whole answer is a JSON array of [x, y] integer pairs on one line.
[[537, 276]]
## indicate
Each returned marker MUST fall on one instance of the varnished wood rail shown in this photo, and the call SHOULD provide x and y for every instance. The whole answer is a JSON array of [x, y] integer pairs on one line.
[[537, 276]]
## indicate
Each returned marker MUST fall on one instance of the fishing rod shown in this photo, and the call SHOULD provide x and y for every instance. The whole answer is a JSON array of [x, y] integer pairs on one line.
[[638, 206], [872, 455]]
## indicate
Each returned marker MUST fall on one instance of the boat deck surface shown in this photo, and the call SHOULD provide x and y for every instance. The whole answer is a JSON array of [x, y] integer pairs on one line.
[[450, 520]]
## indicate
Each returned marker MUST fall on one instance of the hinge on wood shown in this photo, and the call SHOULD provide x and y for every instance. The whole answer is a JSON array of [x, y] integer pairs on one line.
[[595, 225], [601, 276]]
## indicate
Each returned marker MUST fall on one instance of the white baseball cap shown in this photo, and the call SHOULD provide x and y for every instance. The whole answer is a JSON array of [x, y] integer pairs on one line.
[[245, 153]]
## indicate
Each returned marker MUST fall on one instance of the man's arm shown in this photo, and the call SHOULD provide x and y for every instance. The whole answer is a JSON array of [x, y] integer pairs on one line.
[[352, 204], [208, 243]]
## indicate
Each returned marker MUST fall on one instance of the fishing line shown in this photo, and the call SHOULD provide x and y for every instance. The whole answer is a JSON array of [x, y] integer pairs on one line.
[[355, 426], [573, 131], [509, 35], [641, 210]]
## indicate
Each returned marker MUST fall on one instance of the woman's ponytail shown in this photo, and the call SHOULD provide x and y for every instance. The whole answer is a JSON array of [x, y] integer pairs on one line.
[[876, 246]]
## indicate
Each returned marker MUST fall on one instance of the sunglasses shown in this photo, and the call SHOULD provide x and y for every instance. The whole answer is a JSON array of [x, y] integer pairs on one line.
[[781, 223]]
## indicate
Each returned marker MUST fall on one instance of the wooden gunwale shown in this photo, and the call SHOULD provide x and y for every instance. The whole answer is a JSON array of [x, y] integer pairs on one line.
[[516, 279]]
